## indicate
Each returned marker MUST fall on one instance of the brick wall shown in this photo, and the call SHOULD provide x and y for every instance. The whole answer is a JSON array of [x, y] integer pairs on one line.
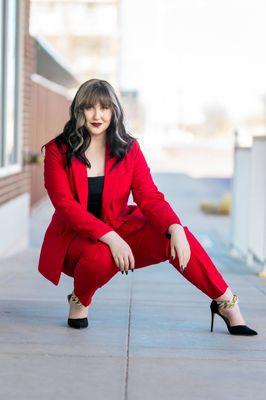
[[49, 115]]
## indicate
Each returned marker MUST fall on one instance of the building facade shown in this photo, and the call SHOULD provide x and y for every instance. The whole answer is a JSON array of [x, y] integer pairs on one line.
[[29, 118]]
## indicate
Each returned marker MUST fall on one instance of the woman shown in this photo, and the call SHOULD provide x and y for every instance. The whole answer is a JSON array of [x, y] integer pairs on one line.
[[89, 171]]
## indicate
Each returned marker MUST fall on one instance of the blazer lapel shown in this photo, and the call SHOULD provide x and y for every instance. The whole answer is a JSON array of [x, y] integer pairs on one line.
[[80, 177], [81, 180]]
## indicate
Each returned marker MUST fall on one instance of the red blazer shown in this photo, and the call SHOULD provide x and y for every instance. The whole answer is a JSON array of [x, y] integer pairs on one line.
[[68, 192]]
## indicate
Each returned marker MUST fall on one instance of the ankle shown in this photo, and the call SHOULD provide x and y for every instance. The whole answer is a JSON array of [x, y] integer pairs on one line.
[[227, 295], [76, 308]]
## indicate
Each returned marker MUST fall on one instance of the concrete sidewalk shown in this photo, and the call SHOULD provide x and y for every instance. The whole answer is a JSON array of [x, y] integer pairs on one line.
[[149, 331]]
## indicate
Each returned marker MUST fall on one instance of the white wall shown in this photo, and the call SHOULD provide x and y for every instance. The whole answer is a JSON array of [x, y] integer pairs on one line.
[[240, 219], [248, 217], [14, 222], [258, 199]]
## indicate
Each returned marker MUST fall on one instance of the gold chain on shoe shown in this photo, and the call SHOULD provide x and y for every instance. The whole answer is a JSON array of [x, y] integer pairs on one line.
[[228, 303], [75, 299]]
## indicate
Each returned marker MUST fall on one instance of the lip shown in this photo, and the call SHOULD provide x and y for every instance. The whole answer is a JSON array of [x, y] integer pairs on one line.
[[97, 124]]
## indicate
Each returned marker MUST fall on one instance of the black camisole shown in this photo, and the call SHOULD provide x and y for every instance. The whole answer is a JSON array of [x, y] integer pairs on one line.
[[95, 194]]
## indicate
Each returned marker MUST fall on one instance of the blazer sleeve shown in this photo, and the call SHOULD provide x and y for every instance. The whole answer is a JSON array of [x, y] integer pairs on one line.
[[58, 188], [146, 195]]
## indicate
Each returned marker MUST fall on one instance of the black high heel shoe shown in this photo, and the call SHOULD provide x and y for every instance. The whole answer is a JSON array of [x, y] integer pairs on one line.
[[76, 323], [234, 330]]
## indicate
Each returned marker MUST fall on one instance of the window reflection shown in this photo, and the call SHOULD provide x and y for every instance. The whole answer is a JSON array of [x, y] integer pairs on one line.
[[9, 52], [10, 82]]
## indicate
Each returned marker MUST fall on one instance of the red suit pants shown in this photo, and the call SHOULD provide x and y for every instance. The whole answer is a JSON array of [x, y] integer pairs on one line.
[[92, 265]]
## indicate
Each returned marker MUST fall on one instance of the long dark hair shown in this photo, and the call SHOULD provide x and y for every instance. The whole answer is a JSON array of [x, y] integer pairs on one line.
[[75, 134]]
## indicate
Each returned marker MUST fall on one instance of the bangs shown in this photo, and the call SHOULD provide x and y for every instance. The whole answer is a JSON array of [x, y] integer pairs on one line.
[[97, 94]]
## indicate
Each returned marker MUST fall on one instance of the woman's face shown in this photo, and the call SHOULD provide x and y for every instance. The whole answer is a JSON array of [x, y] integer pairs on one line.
[[98, 118]]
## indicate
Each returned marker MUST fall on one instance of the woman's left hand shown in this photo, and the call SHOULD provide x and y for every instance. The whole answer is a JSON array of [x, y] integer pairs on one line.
[[179, 244]]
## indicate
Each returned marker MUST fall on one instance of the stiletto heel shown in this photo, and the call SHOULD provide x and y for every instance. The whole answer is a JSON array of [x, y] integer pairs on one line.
[[76, 323], [215, 306], [212, 321]]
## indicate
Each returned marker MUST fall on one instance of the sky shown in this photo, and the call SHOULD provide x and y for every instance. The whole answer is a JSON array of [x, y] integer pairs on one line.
[[183, 55]]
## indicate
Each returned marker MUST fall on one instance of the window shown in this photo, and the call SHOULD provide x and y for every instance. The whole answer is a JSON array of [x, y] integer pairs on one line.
[[9, 85]]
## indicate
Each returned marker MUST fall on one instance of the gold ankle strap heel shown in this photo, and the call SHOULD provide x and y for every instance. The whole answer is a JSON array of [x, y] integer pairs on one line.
[[215, 306], [223, 304], [75, 299]]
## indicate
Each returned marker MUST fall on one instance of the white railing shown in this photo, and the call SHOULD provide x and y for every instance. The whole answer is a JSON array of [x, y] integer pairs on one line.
[[248, 217], [241, 200]]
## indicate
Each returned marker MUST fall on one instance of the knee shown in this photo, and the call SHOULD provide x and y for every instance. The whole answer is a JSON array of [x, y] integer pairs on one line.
[[99, 263]]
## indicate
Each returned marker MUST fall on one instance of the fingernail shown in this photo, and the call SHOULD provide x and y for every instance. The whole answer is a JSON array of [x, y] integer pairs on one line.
[[126, 272], [122, 272]]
